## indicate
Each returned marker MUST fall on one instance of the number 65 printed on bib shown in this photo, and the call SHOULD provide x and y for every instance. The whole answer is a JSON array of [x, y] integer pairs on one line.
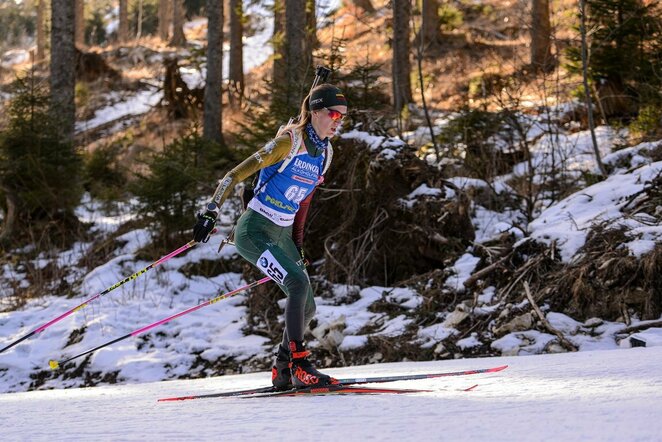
[[271, 267]]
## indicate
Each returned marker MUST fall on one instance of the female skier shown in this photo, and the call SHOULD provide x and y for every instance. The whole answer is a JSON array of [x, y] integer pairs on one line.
[[269, 233]]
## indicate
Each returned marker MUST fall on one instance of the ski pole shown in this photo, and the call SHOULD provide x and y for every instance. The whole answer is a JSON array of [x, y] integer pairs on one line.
[[55, 364], [98, 295]]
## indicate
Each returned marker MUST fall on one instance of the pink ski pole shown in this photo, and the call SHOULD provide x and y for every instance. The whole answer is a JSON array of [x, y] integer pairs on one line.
[[55, 364], [99, 295]]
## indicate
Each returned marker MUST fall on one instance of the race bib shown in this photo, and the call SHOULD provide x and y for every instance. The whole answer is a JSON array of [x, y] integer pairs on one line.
[[271, 267]]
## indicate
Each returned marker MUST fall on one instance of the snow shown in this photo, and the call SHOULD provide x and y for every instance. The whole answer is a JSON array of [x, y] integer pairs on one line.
[[651, 337], [462, 268], [587, 396], [568, 221], [606, 391], [121, 107], [14, 57]]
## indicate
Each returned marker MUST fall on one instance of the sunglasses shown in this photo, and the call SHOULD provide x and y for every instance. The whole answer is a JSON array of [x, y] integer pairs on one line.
[[334, 114]]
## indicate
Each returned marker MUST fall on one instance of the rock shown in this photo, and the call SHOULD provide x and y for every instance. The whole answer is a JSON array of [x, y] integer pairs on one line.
[[519, 323], [455, 318], [330, 334]]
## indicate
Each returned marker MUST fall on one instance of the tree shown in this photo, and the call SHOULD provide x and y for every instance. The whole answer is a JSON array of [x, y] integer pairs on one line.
[[167, 195], [165, 19], [541, 37], [236, 74], [41, 30], [123, 28], [39, 170], [278, 43], [311, 26], [430, 22], [63, 65], [624, 39], [213, 103], [178, 10], [80, 23], [401, 69], [298, 53], [139, 27], [587, 89]]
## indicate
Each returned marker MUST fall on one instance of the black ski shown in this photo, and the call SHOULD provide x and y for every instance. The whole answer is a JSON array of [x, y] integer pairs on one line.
[[343, 384]]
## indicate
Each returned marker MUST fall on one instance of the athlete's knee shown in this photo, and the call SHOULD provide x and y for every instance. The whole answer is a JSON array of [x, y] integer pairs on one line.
[[297, 284]]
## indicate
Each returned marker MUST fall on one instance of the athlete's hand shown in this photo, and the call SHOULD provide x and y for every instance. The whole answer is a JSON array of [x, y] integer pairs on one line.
[[204, 227], [304, 260]]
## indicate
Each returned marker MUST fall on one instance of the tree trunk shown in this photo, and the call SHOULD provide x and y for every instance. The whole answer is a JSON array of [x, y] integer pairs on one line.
[[213, 106], [311, 28], [541, 37], [278, 42], [41, 30], [63, 65], [430, 23], [420, 49], [10, 216], [80, 23], [236, 74], [123, 29], [165, 18], [401, 64], [587, 90], [139, 30], [178, 39], [298, 53]]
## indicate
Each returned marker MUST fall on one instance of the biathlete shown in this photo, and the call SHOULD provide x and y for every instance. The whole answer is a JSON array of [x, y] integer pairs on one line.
[[269, 233]]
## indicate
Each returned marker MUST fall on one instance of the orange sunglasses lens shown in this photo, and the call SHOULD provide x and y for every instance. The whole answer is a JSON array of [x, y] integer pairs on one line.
[[335, 115]]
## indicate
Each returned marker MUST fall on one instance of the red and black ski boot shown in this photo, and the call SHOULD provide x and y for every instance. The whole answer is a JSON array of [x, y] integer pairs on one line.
[[281, 375], [303, 372]]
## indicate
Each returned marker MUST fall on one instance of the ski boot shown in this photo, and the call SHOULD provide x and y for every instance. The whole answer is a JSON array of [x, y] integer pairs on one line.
[[303, 372], [281, 376]]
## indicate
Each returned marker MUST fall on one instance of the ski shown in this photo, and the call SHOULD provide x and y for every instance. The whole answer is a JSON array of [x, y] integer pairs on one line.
[[333, 389], [342, 383]]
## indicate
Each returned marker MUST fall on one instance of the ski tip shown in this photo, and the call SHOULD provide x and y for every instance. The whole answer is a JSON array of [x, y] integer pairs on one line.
[[53, 364], [495, 369], [174, 399]]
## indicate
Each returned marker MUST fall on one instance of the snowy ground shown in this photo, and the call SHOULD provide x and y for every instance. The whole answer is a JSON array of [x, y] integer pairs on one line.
[[585, 396], [218, 331]]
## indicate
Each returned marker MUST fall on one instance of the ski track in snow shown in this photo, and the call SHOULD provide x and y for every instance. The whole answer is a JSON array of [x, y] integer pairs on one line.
[[608, 395]]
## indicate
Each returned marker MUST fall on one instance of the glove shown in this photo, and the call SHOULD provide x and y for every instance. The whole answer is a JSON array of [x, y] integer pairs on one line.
[[204, 227], [304, 260]]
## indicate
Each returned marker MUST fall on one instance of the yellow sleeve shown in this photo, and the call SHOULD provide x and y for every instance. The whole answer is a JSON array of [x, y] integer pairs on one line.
[[271, 153]]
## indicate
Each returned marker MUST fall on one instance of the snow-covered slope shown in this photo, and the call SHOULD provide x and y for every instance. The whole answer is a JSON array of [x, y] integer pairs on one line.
[[584, 396]]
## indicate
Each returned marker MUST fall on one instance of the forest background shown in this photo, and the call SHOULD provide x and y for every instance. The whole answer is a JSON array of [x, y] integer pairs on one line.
[[439, 90]]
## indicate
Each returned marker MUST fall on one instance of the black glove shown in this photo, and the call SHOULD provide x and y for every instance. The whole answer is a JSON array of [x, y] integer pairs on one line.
[[204, 227], [304, 260]]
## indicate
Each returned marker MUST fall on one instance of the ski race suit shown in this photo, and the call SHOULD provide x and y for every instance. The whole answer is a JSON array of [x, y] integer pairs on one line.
[[264, 235]]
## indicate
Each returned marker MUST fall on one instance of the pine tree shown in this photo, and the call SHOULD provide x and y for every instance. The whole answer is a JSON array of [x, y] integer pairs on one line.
[[39, 170], [177, 177], [625, 54]]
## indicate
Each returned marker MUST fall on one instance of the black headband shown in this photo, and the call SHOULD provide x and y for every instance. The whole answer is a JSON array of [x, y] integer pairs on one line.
[[326, 96]]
